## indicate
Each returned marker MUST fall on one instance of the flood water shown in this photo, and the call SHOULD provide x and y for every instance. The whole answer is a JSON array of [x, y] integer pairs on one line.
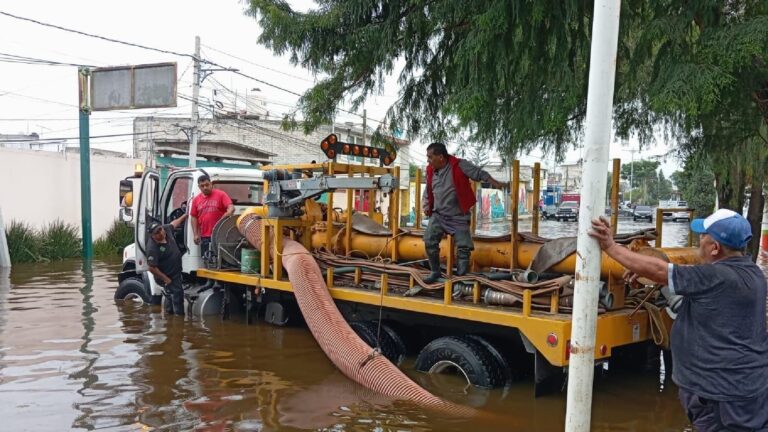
[[72, 359]]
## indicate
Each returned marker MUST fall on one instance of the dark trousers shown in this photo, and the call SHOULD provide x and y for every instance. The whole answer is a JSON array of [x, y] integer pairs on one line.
[[205, 245], [174, 293], [435, 232], [707, 415]]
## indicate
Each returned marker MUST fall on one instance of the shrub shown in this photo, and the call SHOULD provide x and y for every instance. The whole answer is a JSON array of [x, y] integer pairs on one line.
[[117, 237], [24, 243], [60, 240]]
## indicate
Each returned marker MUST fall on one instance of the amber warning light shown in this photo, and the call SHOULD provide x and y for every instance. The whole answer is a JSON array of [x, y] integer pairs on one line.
[[332, 147]]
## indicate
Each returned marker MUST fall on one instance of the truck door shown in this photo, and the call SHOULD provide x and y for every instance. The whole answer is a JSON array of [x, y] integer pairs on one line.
[[175, 200], [147, 210]]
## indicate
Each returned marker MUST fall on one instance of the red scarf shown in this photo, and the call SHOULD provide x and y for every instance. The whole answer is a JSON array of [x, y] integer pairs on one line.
[[461, 184]]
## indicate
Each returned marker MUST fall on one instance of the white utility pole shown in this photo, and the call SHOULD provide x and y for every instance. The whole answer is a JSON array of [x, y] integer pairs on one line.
[[365, 121], [602, 75], [195, 133]]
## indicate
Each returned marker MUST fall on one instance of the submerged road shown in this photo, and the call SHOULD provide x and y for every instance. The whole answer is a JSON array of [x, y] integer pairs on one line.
[[72, 359]]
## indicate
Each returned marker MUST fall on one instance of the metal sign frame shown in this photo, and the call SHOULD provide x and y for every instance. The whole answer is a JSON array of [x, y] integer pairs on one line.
[[132, 69]]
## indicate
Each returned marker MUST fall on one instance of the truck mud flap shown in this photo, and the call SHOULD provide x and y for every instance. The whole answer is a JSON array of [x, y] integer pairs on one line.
[[548, 379]]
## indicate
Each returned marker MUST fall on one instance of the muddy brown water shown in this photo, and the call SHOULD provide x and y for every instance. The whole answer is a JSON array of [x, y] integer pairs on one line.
[[72, 359]]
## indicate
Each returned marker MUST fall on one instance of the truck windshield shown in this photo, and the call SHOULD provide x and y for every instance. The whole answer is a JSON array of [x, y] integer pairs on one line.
[[242, 193]]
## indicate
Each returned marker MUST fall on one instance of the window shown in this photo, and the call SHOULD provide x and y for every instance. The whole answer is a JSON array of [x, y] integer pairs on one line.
[[242, 193]]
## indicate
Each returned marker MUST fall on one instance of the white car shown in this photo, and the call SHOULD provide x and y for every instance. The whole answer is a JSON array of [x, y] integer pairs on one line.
[[681, 216]]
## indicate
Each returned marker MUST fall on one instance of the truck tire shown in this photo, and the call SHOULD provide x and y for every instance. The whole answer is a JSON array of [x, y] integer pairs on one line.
[[132, 289], [369, 333], [501, 362], [466, 356]]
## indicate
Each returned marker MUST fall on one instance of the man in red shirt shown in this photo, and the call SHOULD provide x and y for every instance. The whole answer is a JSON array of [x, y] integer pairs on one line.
[[206, 210]]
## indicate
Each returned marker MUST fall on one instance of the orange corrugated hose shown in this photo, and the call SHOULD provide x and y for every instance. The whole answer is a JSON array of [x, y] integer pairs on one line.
[[344, 348]]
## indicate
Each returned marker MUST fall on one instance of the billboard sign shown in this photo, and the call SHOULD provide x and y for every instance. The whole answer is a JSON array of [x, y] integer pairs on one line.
[[133, 87]]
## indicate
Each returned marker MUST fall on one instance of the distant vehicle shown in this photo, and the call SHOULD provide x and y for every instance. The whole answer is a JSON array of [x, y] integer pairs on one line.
[[643, 213], [674, 215], [568, 210], [571, 197], [680, 216], [549, 212]]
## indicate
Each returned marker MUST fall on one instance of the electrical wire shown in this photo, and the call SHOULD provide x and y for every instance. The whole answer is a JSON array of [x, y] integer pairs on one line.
[[13, 58], [96, 36]]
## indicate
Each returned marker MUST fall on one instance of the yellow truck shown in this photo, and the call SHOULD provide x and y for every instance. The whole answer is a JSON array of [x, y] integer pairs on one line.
[[509, 318]]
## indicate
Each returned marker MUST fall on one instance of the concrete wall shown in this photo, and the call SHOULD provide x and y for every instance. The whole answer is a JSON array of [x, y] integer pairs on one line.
[[40, 186]]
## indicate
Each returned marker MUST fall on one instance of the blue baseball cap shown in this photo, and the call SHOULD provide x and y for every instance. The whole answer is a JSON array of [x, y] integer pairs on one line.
[[726, 227]]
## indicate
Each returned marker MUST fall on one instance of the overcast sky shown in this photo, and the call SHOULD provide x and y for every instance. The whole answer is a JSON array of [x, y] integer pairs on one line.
[[43, 98]]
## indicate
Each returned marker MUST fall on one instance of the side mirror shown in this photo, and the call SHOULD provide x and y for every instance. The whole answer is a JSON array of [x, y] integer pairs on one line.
[[126, 214], [126, 193]]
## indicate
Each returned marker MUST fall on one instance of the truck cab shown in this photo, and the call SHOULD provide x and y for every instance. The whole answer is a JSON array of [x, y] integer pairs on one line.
[[165, 202]]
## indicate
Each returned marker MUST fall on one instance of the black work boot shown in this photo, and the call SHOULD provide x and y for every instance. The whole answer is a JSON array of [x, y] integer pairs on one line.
[[434, 265], [462, 263]]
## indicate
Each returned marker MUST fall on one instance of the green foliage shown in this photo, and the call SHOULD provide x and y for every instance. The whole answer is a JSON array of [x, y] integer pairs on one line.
[[60, 240], [648, 183], [112, 243], [696, 185], [24, 243], [511, 74]]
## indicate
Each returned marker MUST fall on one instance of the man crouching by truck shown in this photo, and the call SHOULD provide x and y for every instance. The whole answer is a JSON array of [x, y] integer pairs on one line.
[[719, 341], [164, 260]]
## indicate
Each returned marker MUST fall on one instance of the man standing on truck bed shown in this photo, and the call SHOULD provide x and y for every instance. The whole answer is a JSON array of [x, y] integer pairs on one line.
[[164, 259], [719, 341], [207, 209], [448, 203]]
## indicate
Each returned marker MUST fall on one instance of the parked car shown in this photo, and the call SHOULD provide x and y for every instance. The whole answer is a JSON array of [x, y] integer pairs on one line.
[[643, 213], [568, 210], [549, 212], [681, 216]]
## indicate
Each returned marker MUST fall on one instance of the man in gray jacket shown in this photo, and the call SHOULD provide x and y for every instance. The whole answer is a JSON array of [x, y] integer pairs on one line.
[[448, 201]]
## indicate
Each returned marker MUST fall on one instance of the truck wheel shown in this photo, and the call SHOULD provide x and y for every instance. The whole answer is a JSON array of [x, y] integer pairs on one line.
[[132, 289], [501, 362], [464, 357], [369, 333]]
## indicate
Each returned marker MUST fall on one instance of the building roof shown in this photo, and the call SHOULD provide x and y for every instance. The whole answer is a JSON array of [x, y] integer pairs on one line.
[[213, 150]]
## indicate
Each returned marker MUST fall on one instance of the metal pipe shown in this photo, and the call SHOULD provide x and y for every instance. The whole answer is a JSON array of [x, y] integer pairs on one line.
[[394, 218], [615, 195], [659, 226], [492, 297], [487, 253], [526, 276], [515, 195], [473, 218], [417, 222], [348, 222], [602, 75], [329, 215], [536, 197]]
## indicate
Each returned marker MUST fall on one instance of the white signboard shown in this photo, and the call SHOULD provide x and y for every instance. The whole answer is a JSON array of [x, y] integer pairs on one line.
[[133, 87]]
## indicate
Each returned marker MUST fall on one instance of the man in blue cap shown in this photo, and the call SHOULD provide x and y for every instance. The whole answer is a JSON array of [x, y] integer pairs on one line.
[[719, 341]]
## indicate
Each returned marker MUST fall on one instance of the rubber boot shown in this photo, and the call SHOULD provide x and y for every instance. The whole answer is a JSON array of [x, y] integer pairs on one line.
[[462, 262], [434, 265]]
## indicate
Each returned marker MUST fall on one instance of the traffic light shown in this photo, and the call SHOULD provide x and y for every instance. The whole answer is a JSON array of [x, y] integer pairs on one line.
[[332, 147]]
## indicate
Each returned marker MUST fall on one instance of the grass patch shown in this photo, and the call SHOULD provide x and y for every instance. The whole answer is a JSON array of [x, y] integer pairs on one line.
[[60, 241], [112, 243], [24, 243]]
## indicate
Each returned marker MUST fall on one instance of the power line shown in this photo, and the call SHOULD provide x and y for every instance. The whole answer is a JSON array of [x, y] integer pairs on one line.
[[257, 65], [95, 36], [23, 140], [211, 63], [13, 58]]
